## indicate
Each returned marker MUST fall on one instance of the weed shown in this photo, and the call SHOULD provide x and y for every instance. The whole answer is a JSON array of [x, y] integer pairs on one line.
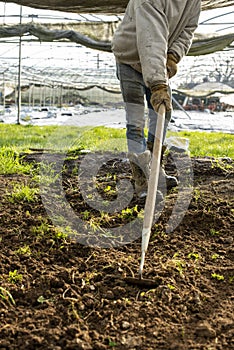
[[108, 189], [23, 193], [86, 214], [171, 287], [53, 233], [25, 250], [214, 232], [15, 277], [5, 295], [129, 213], [196, 194], [112, 343], [194, 256], [176, 263], [42, 229], [10, 162], [215, 256], [42, 299], [217, 276], [47, 175], [231, 279], [218, 163]]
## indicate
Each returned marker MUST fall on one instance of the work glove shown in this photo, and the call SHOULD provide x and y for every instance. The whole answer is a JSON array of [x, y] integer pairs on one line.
[[171, 65], [159, 95]]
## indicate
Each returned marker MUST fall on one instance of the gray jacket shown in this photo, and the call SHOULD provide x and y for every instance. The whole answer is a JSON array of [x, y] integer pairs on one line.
[[152, 28]]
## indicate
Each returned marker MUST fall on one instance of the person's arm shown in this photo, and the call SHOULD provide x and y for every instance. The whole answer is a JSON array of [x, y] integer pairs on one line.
[[181, 45], [152, 35]]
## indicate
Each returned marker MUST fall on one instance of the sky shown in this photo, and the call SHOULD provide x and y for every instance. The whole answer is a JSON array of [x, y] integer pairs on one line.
[[71, 59]]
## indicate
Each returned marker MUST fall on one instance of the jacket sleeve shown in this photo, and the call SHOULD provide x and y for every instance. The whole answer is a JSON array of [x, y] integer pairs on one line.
[[182, 44], [152, 34]]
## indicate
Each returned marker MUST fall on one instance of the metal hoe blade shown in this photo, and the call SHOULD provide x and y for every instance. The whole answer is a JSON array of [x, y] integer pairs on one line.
[[144, 282]]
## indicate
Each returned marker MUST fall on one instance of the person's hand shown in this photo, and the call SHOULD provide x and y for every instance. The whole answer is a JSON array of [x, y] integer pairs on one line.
[[171, 65], [160, 95]]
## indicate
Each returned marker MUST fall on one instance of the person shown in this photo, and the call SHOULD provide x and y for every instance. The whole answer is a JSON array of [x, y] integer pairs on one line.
[[152, 38]]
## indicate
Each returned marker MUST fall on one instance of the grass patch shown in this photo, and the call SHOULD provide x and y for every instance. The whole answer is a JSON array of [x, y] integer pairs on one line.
[[60, 138], [10, 162], [23, 193], [18, 138], [209, 144]]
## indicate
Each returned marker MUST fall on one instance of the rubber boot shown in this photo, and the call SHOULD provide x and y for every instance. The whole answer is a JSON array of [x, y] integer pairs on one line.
[[140, 171], [171, 181], [140, 165]]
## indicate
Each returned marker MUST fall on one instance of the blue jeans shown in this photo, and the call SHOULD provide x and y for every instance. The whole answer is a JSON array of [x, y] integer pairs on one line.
[[134, 93]]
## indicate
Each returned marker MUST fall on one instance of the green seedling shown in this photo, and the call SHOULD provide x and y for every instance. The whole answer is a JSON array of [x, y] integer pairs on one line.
[[86, 214], [217, 276], [24, 250], [42, 300], [23, 193], [171, 287], [194, 256], [5, 295], [214, 232], [112, 343], [196, 194], [176, 263], [15, 277], [215, 256], [129, 213], [218, 163], [231, 279]]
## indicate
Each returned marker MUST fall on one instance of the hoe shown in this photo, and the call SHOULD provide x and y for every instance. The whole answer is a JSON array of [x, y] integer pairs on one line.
[[150, 203]]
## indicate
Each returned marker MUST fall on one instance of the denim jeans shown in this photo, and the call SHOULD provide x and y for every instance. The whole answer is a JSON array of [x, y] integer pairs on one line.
[[134, 94]]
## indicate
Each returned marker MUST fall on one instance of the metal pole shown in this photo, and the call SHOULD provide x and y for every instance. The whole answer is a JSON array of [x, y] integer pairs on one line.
[[179, 105], [19, 73], [3, 92]]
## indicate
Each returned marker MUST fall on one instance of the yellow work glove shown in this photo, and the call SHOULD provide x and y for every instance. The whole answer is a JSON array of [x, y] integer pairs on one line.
[[159, 95], [171, 65]]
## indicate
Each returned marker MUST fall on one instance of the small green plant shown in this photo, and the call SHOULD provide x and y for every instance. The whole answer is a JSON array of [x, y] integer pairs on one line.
[[112, 343], [24, 250], [217, 276], [194, 256], [196, 194], [86, 214], [214, 232], [231, 279], [218, 163], [23, 193], [176, 263], [5, 295], [171, 287], [129, 213], [109, 189], [10, 162], [46, 230], [47, 175], [61, 234], [15, 277], [41, 299], [215, 256], [41, 229]]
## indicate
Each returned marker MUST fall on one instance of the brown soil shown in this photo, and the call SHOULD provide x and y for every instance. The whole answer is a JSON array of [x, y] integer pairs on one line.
[[56, 293]]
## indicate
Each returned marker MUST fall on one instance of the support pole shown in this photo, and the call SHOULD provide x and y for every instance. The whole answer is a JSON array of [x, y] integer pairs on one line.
[[19, 73]]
